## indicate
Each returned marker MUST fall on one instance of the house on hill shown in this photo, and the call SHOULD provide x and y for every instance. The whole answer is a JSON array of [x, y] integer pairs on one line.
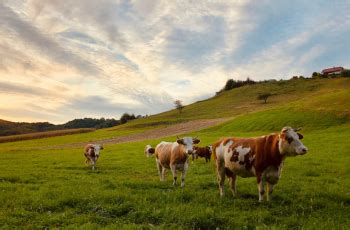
[[334, 70]]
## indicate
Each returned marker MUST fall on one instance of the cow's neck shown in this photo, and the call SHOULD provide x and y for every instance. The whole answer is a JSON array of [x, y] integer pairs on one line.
[[272, 149], [183, 150]]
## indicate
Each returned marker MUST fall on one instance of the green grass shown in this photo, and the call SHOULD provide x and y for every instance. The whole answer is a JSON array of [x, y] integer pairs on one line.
[[53, 188]]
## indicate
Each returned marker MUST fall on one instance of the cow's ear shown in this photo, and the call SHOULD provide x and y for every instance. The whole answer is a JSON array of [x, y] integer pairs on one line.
[[196, 141], [180, 141], [300, 136]]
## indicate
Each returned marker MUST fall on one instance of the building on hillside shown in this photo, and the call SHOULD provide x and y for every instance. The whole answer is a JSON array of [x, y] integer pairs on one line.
[[334, 70]]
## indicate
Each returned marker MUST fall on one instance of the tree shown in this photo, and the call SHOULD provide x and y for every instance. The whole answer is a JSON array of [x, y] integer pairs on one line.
[[229, 84], [264, 96], [126, 117], [178, 105]]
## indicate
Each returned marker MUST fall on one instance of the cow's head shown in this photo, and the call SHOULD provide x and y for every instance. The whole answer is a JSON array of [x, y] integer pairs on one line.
[[188, 143], [210, 148], [97, 149], [290, 144], [149, 150]]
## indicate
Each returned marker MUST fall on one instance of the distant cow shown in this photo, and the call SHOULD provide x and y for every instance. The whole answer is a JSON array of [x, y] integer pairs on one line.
[[174, 156], [149, 150], [261, 157], [92, 153], [202, 152]]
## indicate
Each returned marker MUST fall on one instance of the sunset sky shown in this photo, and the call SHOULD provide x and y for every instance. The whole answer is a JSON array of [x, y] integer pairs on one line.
[[61, 60]]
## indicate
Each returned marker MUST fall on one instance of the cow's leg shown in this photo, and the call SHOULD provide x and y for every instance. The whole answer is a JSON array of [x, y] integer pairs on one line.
[[163, 174], [173, 170], [260, 187], [269, 188], [220, 170], [183, 175], [93, 164], [193, 156], [232, 180], [160, 169]]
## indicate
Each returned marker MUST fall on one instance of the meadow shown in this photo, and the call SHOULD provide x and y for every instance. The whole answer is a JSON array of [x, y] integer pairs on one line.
[[53, 188]]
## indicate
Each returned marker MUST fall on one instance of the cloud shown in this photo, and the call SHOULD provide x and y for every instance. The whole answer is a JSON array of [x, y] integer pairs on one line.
[[103, 58], [95, 105], [14, 26], [194, 49], [24, 90]]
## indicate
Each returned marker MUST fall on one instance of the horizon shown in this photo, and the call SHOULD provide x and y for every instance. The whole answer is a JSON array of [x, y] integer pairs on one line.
[[101, 59]]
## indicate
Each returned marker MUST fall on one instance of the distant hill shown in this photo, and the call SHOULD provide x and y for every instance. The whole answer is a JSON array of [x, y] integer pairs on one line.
[[8, 128], [307, 102], [311, 103]]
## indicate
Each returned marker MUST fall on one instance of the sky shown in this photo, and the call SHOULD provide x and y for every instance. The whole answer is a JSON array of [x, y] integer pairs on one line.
[[61, 60]]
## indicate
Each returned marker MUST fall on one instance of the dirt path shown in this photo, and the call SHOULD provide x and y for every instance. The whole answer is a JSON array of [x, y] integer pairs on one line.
[[177, 129]]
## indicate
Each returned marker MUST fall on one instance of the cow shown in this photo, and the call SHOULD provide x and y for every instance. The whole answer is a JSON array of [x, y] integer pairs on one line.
[[202, 152], [92, 153], [174, 156], [149, 151], [262, 157]]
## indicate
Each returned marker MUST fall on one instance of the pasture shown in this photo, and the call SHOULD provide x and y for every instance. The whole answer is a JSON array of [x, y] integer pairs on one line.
[[43, 187]]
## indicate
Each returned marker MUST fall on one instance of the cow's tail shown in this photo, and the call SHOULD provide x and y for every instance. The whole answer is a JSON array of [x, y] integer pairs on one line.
[[149, 150], [213, 150]]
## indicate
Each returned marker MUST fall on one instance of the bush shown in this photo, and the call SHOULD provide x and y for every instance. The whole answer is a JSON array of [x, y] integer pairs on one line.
[[231, 84], [126, 117]]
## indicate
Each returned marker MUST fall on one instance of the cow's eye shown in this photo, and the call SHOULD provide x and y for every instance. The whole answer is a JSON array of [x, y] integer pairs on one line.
[[289, 139]]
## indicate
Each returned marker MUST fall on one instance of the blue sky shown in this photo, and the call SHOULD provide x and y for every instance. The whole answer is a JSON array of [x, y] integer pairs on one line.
[[86, 58]]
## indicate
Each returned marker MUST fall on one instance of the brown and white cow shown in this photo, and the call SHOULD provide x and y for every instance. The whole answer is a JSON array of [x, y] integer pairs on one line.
[[261, 157], [174, 156], [204, 152], [92, 153]]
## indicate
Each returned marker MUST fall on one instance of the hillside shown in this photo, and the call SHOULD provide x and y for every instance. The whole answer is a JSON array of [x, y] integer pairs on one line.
[[8, 128], [299, 99], [45, 183], [308, 103]]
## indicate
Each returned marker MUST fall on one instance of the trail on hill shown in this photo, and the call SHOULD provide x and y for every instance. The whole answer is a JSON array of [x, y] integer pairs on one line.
[[177, 129]]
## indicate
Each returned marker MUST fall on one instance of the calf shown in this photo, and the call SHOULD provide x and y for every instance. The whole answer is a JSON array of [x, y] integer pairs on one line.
[[261, 157], [92, 153], [174, 156], [202, 152]]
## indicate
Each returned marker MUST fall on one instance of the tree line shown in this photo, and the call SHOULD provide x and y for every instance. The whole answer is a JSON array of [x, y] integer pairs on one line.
[[13, 128]]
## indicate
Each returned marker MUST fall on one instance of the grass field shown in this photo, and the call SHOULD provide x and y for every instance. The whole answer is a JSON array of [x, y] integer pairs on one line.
[[53, 188]]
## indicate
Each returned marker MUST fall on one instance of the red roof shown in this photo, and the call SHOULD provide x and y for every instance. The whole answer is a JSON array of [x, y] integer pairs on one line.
[[332, 70]]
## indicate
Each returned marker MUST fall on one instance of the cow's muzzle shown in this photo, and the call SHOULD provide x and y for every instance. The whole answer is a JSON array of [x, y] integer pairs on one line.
[[303, 151], [189, 151]]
